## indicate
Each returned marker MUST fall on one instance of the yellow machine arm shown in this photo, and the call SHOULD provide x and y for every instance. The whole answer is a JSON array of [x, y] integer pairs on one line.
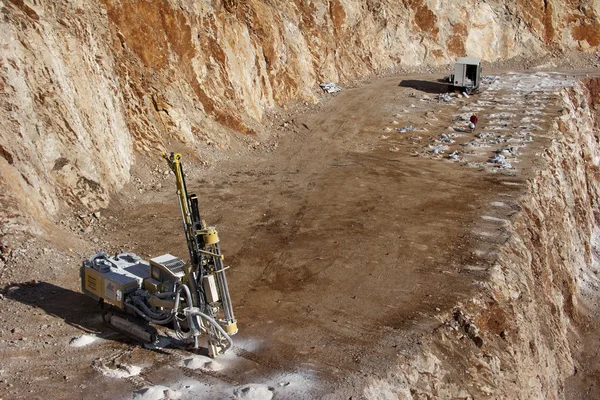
[[206, 273]]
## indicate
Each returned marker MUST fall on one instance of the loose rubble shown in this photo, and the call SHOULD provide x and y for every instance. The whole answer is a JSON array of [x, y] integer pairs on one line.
[[330, 87]]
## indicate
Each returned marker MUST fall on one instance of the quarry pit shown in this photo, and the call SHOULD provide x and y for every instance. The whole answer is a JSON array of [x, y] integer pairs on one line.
[[371, 261]]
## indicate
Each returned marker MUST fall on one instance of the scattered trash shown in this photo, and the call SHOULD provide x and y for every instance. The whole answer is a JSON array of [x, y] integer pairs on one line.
[[330, 87], [510, 150], [489, 79], [454, 155], [473, 143], [459, 129], [497, 140], [445, 97], [446, 138], [436, 150], [406, 129], [465, 94], [497, 159], [394, 149], [500, 160]]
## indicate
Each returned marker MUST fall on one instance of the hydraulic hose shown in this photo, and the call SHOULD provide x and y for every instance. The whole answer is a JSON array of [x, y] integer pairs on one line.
[[154, 315], [215, 324], [188, 297], [147, 318]]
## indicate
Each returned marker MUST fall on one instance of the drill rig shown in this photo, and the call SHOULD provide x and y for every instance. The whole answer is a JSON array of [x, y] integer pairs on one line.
[[193, 297]]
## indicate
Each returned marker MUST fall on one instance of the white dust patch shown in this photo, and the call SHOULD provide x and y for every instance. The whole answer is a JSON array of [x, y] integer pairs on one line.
[[201, 362], [509, 183], [495, 219], [253, 392], [83, 340], [156, 393], [184, 389], [121, 371], [254, 385], [484, 234]]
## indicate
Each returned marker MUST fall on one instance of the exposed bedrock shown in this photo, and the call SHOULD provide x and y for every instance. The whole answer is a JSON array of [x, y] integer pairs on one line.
[[87, 85], [523, 335]]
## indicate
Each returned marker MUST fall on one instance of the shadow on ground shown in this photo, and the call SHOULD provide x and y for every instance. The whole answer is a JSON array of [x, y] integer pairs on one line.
[[75, 309], [426, 86]]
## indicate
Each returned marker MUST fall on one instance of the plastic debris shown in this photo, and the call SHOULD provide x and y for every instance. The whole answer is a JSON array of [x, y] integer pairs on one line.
[[330, 87], [406, 129], [489, 79], [500, 160], [446, 138], [436, 150], [445, 97], [510, 150], [453, 155]]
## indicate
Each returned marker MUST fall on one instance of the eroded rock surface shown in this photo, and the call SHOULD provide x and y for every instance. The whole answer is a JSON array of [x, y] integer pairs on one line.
[[87, 85]]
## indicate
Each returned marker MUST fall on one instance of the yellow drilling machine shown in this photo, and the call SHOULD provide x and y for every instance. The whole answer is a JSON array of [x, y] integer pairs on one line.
[[192, 298]]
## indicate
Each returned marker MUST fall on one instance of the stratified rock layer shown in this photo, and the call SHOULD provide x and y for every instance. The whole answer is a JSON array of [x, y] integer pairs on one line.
[[87, 84]]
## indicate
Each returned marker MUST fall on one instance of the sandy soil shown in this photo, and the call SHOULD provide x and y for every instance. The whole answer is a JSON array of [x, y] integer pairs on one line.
[[346, 232]]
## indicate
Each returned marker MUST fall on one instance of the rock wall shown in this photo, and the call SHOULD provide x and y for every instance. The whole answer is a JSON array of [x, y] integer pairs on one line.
[[519, 338], [87, 85]]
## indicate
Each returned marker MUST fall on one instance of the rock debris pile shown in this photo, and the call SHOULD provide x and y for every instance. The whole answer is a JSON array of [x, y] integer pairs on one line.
[[511, 110]]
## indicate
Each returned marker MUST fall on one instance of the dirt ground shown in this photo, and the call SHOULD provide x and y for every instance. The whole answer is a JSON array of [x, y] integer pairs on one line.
[[345, 232]]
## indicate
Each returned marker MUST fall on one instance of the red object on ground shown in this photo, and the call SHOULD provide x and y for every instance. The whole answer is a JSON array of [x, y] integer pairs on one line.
[[474, 119]]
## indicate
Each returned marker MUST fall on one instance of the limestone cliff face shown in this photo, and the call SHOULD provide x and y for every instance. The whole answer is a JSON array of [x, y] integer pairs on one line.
[[85, 85]]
